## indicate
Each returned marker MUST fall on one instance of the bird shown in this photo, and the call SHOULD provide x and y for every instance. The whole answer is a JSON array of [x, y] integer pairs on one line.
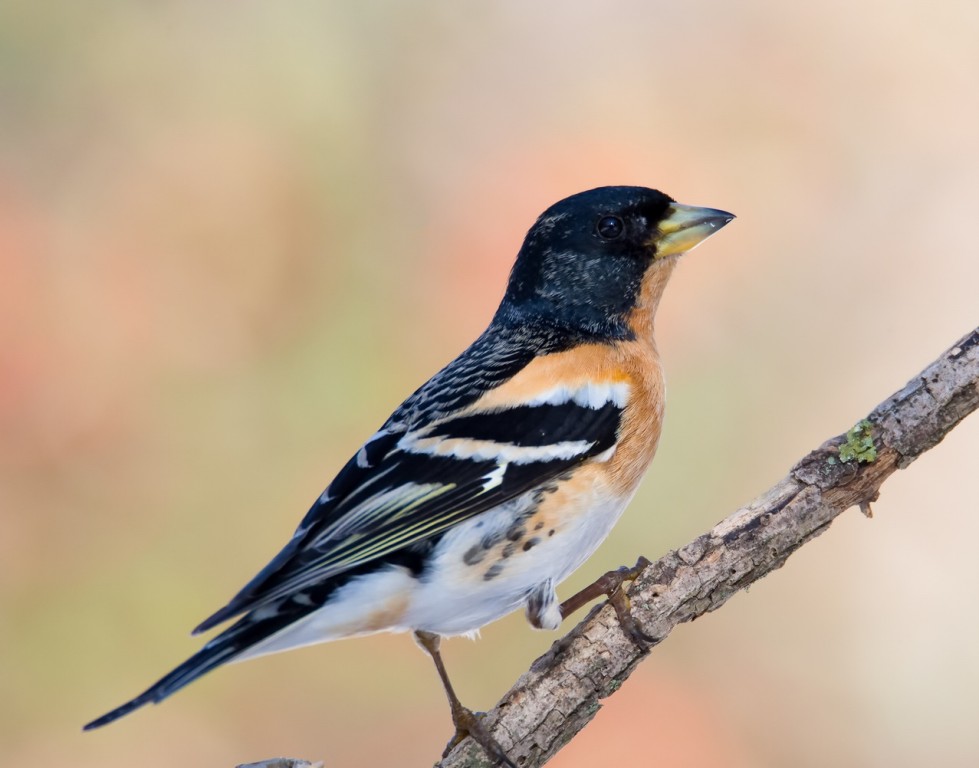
[[498, 477]]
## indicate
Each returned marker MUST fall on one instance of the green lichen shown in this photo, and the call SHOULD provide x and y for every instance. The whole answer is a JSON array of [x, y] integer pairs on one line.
[[859, 445]]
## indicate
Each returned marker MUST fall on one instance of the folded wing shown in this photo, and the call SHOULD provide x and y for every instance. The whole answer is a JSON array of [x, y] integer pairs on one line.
[[408, 485]]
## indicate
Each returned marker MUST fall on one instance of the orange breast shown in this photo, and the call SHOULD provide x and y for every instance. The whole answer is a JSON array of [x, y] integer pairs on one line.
[[633, 363]]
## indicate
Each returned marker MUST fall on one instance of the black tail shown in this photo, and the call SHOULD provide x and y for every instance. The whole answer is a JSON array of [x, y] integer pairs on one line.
[[237, 638]]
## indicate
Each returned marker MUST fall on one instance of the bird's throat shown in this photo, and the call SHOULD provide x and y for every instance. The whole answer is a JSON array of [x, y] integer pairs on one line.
[[640, 319]]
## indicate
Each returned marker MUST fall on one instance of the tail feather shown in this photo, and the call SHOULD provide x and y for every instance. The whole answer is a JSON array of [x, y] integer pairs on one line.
[[233, 641]]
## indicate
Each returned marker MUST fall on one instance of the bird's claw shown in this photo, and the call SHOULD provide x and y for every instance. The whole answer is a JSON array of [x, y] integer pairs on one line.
[[610, 585], [469, 723], [623, 610]]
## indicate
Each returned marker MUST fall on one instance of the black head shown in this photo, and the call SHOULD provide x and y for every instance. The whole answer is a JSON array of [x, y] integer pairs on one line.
[[582, 264]]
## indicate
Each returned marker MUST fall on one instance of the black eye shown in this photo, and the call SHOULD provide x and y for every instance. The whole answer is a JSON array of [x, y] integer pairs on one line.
[[609, 227]]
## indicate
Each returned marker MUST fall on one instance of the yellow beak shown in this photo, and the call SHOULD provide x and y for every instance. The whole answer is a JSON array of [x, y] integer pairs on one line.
[[686, 226]]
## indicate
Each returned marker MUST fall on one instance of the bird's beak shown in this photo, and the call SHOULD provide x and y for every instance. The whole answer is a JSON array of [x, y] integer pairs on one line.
[[686, 226]]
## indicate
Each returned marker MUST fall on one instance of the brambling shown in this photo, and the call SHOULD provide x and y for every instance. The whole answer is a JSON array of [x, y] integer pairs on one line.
[[499, 476]]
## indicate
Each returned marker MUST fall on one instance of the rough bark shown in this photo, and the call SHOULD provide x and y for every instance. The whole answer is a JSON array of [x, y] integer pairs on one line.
[[562, 690]]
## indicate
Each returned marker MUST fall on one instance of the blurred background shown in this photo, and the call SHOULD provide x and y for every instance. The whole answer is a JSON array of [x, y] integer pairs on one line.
[[234, 235]]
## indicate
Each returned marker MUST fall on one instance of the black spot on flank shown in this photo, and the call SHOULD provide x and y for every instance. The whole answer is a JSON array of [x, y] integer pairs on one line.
[[550, 532], [493, 571], [490, 540], [531, 543], [541, 492], [508, 550], [516, 531], [474, 555], [540, 524]]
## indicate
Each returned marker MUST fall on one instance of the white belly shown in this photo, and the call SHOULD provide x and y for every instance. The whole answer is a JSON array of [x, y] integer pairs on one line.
[[456, 598]]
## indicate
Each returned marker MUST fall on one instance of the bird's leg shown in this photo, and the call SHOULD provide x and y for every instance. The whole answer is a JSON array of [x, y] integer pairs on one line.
[[466, 721], [610, 585]]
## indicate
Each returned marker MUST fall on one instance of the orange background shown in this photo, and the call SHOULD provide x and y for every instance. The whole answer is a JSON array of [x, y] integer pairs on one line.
[[233, 235]]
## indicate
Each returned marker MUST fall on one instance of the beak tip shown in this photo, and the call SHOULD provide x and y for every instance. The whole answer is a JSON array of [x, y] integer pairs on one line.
[[718, 219], [687, 226], [722, 219]]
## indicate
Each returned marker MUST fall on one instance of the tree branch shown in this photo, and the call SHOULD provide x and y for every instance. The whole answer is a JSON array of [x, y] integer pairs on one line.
[[561, 692]]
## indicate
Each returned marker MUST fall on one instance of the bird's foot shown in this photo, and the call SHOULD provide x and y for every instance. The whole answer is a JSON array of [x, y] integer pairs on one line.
[[611, 585], [469, 723], [623, 610]]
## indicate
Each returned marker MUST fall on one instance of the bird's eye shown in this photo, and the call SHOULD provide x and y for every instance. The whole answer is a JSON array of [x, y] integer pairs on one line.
[[609, 227]]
